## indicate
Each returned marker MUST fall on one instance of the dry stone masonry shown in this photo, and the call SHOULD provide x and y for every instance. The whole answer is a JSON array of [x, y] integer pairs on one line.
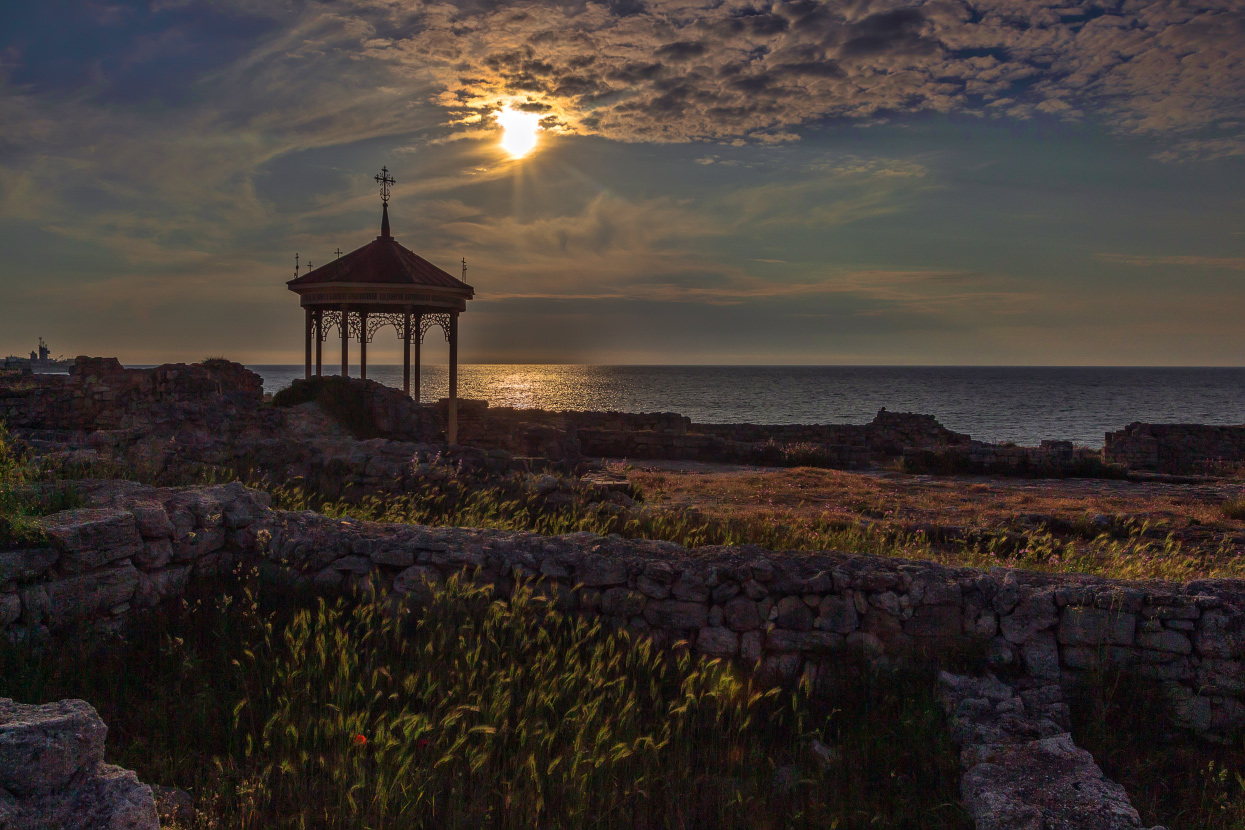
[[134, 546], [1022, 770]]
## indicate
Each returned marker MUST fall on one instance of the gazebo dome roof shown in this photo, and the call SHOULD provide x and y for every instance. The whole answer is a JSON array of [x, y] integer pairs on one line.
[[383, 262]]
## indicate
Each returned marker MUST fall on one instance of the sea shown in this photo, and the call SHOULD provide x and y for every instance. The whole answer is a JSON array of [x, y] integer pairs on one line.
[[995, 404]]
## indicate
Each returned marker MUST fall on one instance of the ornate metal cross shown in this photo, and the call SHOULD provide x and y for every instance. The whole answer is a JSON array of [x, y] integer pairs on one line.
[[384, 180], [296, 265], [339, 253]]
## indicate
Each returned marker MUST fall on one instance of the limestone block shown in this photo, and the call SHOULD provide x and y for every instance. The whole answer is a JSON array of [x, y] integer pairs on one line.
[[887, 601], [1080, 657], [1226, 714], [1214, 636], [90, 538], [10, 609], [152, 520], [1041, 656], [751, 647], [396, 557], [935, 622], [601, 571], [794, 614], [717, 642], [1079, 625], [780, 639], [1032, 614], [35, 604], [1169, 641], [781, 666], [352, 564], [621, 602], [26, 564], [551, 568], [1221, 676], [43, 747], [156, 553], [52, 775], [652, 588], [740, 614], [838, 615], [662, 572], [671, 613], [690, 587], [78, 597]]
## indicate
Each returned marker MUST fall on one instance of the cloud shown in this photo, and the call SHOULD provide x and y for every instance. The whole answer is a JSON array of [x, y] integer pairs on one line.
[[1150, 260], [681, 71]]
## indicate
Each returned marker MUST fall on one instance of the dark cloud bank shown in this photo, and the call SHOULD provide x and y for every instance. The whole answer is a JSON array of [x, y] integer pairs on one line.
[[646, 70]]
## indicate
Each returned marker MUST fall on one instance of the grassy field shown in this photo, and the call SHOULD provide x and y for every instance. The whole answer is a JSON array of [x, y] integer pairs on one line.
[[279, 713], [1133, 554]]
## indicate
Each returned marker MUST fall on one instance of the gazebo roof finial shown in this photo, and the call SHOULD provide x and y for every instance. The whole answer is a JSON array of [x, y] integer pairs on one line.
[[384, 180]]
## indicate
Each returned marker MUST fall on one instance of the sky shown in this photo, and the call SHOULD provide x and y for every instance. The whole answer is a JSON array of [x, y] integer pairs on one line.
[[714, 181]]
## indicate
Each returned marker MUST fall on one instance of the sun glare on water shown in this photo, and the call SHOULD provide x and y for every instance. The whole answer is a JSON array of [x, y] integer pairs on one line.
[[520, 128]]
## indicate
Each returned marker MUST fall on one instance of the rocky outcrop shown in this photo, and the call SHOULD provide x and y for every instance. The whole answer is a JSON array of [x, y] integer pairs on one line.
[[53, 775], [1022, 770]]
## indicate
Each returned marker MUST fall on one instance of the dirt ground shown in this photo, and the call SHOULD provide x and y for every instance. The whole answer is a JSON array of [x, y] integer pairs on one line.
[[1194, 513]]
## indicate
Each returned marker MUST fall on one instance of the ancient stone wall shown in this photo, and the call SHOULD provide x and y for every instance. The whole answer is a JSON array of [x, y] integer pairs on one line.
[[667, 435], [1177, 448], [135, 546], [99, 394], [1051, 458]]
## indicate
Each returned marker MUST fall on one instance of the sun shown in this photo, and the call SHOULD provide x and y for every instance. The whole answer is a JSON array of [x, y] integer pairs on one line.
[[520, 128]]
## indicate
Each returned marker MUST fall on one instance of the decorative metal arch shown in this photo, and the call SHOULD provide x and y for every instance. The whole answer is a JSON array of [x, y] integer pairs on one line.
[[329, 320], [378, 320], [427, 321]]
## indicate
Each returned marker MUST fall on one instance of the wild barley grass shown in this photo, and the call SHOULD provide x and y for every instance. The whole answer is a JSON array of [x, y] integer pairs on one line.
[[478, 713], [22, 499], [1173, 779]]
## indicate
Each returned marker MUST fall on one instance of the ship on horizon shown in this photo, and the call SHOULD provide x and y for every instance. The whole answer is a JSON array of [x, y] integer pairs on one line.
[[40, 360]]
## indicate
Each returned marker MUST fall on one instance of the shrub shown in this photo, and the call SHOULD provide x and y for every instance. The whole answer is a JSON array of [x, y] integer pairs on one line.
[[216, 363], [1235, 509]]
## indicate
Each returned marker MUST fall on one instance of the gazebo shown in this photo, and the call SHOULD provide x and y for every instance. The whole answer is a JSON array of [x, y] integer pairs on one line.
[[383, 284]]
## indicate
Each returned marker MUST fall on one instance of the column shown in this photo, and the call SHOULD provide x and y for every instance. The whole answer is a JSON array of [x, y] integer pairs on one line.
[[406, 354], [319, 340], [307, 341], [419, 340], [363, 345], [345, 342], [452, 431]]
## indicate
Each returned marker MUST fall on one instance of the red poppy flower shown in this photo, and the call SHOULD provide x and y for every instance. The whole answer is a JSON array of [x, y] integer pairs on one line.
[[360, 740]]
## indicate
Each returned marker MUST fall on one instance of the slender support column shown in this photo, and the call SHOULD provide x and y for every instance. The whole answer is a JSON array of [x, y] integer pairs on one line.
[[307, 341], [406, 353], [363, 345], [345, 343], [419, 341], [319, 341], [452, 431]]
